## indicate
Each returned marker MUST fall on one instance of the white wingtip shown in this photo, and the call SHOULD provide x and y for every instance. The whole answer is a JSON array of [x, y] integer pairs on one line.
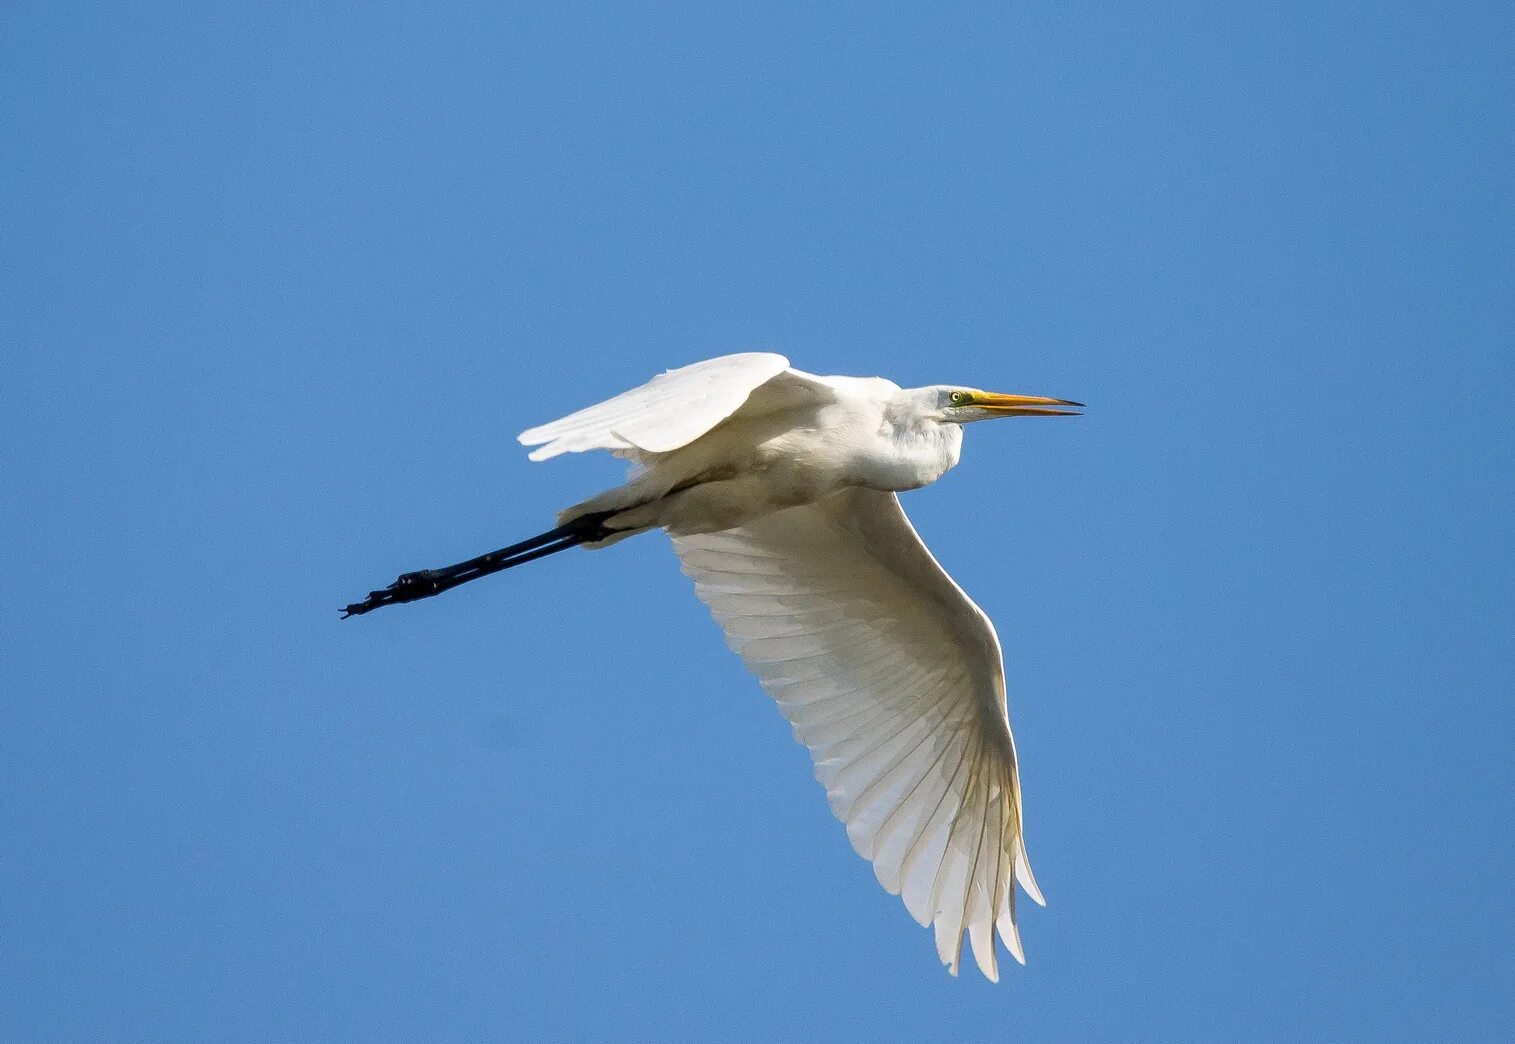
[[1024, 876], [1011, 935], [981, 940]]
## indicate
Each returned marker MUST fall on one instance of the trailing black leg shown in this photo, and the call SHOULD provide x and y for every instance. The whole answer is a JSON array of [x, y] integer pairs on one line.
[[425, 583]]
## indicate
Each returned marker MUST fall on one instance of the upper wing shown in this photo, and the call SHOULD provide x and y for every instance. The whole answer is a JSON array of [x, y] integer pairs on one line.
[[669, 411], [892, 677]]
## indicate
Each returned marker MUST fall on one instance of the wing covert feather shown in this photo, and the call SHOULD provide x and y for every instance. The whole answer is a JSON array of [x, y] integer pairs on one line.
[[669, 411], [893, 679]]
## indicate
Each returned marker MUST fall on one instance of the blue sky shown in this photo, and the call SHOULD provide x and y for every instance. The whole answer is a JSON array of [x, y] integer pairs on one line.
[[282, 282]]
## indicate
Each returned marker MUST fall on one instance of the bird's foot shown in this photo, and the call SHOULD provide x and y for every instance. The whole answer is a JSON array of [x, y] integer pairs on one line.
[[407, 588]]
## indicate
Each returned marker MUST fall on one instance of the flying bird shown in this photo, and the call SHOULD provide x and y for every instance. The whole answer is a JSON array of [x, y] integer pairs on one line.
[[779, 490]]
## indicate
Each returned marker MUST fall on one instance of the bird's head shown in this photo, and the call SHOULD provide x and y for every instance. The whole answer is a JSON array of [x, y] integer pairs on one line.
[[963, 405]]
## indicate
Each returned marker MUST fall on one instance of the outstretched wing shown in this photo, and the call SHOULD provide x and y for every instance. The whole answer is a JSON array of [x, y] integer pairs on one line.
[[669, 411], [893, 678]]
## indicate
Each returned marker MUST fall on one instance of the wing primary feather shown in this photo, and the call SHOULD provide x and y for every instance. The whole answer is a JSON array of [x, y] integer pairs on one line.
[[886, 829], [914, 851], [945, 879], [1023, 868], [986, 893], [900, 760], [903, 725]]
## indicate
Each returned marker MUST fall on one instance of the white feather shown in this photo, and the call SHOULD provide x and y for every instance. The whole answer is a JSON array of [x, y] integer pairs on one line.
[[893, 678], [669, 411]]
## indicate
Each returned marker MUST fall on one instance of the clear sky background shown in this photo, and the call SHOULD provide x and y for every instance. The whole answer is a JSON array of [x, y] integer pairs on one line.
[[282, 282]]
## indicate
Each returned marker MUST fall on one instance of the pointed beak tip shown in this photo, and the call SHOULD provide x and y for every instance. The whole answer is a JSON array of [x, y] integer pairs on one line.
[[1027, 405]]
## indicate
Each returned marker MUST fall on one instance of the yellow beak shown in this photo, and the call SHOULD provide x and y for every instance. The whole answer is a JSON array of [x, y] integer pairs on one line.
[[1023, 405]]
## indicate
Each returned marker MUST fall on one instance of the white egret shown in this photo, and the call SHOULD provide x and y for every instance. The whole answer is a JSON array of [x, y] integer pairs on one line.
[[778, 488]]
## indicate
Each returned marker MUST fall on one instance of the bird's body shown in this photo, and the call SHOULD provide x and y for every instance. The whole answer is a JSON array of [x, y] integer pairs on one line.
[[804, 438], [778, 488]]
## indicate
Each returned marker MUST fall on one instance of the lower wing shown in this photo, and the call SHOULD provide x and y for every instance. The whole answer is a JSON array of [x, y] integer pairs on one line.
[[893, 679]]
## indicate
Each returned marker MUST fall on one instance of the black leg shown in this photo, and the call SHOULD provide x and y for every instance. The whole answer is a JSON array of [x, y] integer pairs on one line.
[[411, 587]]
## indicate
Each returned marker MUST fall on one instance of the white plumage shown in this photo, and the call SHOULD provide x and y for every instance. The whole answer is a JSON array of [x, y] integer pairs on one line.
[[669, 411], [778, 488], [892, 677]]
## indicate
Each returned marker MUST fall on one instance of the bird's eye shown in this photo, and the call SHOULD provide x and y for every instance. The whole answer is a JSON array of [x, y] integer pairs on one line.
[[961, 398]]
